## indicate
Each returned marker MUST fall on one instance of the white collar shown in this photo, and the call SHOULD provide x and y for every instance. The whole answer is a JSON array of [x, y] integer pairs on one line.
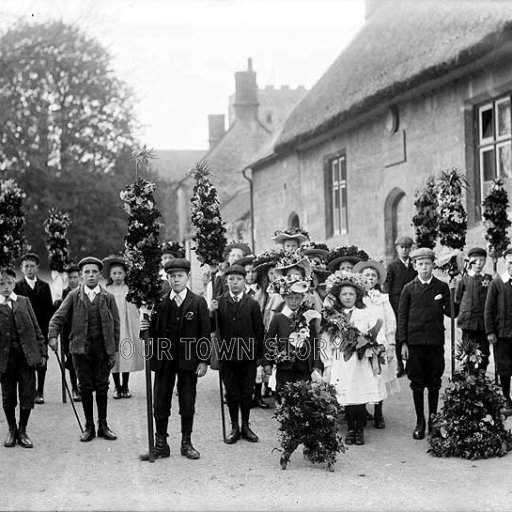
[[182, 294], [425, 282], [12, 298], [95, 290], [236, 297], [405, 262], [253, 286], [31, 281], [505, 277]]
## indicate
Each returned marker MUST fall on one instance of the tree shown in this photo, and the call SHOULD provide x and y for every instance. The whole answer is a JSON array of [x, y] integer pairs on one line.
[[66, 132]]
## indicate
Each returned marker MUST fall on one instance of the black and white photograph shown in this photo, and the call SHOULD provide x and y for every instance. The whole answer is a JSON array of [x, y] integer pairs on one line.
[[255, 255]]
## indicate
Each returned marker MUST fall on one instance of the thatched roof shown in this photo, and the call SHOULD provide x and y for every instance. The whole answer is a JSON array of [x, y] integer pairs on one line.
[[403, 45]]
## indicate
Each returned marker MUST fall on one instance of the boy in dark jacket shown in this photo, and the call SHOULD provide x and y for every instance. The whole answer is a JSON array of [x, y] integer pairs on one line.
[[93, 342], [40, 296], [241, 330], [22, 349], [498, 324], [291, 339], [470, 294], [423, 303], [399, 272]]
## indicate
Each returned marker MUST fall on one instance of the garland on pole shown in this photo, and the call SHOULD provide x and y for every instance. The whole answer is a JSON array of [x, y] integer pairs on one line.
[[12, 223], [426, 220], [209, 230], [56, 227], [142, 247], [496, 221]]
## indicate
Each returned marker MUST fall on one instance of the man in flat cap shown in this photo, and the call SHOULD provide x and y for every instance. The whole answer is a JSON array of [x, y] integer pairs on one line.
[[40, 296], [93, 342], [399, 272], [241, 330], [498, 324], [180, 336], [470, 294], [423, 303]]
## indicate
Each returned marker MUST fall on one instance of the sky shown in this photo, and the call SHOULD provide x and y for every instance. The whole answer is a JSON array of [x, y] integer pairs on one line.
[[180, 56]]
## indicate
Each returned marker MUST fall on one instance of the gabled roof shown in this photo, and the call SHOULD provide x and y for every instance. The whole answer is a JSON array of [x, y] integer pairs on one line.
[[404, 44], [172, 165]]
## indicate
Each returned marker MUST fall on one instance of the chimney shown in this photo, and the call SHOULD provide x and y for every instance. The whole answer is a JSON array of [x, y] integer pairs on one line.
[[246, 94], [216, 129]]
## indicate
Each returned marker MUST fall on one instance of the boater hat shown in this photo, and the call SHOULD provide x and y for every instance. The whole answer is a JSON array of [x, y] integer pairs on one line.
[[90, 260], [291, 234], [286, 286], [177, 264], [290, 260], [247, 260], [111, 261], [345, 253], [315, 249], [378, 267], [335, 282]]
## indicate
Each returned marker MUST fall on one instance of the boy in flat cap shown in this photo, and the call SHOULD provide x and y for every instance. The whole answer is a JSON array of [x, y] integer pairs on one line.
[[470, 294], [22, 349], [241, 331], [423, 303], [40, 296], [93, 342], [498, 324], [399, 272], [180, 334]]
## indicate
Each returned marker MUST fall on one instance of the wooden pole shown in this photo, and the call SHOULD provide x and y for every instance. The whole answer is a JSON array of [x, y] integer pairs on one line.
[[149, 397], [452, 325], [63, 375], [494, 274]]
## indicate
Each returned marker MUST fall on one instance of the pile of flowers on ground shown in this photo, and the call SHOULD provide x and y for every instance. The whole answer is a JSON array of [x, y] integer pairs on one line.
[[309, 414], [56, 227], [12, 222], [471, 423], [142, 247]]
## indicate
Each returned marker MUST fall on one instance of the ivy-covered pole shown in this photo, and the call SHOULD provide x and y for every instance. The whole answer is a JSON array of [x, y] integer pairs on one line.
[[210, 243], [426, 219], [452, 226], [142, 254], [496, 221]]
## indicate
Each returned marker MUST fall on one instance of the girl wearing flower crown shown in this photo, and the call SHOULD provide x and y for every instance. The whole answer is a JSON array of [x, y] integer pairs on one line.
[[352, 351]]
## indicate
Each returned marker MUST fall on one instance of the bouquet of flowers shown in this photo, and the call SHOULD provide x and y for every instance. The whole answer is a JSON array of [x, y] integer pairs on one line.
[[12, 222], [309, 414], [142, 247], [427, 216], [209, 230], [352, 340], [471, 423], [56, 227]]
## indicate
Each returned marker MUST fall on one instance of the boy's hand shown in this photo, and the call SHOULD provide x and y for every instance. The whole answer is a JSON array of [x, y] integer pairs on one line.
[[267, 369], [214, 305], [201, 370], [144, 323], [54, 344], [492, 339], [405, 352]]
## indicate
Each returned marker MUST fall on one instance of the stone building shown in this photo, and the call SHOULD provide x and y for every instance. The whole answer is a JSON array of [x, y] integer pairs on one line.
[[424, 86]]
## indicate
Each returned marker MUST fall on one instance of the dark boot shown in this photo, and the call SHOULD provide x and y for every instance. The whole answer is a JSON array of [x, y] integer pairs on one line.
[[23, 439], [125, 390], [419, 406], [104, 431], [12, 435], [248, 434], [118, 391], [361, 414], [433, 400], [378, 418], [161, 449], [351, 422], [89, 432], [187, 450], [234, 435], [41, 376]]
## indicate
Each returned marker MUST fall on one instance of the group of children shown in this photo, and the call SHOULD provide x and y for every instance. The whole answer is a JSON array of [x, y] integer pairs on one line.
[[300, 312]]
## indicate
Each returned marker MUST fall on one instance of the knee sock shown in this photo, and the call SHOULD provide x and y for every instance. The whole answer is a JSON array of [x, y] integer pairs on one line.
[[72, 378], [378, 410], [10, 414], [419, 404], [24, 416], [117, 381], [41, 375], [233, 414], [101, 404], [126, 378], [360, 416], [161, 425], [87, 404], [245, 412], [505, 386], [257, 390], [350, 415]]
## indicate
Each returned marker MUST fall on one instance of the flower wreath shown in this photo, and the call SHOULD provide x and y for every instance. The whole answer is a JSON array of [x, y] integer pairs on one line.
[[341, 277]]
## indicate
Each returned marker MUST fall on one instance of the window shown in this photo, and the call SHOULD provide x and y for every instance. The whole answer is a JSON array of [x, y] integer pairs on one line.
[[494, 142], [338, 190]]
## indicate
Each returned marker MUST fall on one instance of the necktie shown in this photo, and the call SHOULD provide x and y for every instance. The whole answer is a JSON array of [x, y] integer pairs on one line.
[[178, 300], [92, 296], [235, 298]]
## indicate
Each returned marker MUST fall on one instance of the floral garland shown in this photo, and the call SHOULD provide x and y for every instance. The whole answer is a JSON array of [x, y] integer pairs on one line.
[[352, 341], [426, 219], [339, 277], [290, 258], [56, 227], [344, 250], [309, 414], [12, 222], [282, 285], [209, 229], [175, 248], [142, 247], [291, 232], [496, 221]]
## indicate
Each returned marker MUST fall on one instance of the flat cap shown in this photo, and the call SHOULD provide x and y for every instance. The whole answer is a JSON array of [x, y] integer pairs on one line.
[[477, 251], [235, 269], [30, 256], [404, 240], [177, 264], [90, 260], [423, 252]]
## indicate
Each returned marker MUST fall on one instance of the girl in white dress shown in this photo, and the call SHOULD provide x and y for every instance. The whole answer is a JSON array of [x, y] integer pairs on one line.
[[356, 379], [130, 355], [378, 303]]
